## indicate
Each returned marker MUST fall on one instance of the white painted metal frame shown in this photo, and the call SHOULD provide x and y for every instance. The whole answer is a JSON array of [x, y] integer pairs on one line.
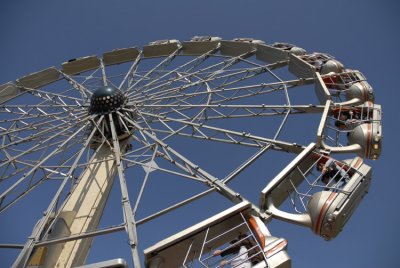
[[192, 90]]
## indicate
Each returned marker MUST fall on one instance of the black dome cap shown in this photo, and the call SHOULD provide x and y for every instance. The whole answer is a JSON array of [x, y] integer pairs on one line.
[[105, 100]]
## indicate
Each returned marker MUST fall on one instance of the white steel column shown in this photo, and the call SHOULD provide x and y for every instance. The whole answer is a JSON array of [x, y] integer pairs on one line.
[[88, 201]]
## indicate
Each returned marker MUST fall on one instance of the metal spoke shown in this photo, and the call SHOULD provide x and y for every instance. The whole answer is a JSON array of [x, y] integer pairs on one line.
[[50, 96], [242, 136], [211, 180], [83, 90], [245, 164], [248, 73], [271, 85], [131, 72], [144, 183], [40, 227], [26, 175], [33, 185], [38, 124], [230, 111], [192, 63], [40, 133], [126, 205], [224, 64], [103, 73], [160, 66]]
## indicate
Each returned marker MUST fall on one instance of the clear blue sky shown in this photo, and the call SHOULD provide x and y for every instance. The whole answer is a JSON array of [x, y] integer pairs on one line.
[[363, 35]]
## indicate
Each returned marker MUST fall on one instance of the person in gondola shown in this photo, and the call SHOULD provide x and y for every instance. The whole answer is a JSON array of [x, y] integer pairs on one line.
[[347, 120], [332, 172], [246, 251]]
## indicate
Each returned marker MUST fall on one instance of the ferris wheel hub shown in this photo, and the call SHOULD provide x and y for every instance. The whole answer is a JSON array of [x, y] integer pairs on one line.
[[106, 99]]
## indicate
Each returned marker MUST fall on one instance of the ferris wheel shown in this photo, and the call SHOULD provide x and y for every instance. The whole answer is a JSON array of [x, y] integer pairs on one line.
[[275, 131]]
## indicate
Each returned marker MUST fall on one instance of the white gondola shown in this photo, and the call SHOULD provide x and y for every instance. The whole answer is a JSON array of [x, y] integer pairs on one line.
[[80, 65], [277, 52], [305, 66], [355, 129], [161, 48], [244, 47], [200, 45], [8, 91], [118, 56], [350, 86], [323, 203], [39, 79], [196, 246]]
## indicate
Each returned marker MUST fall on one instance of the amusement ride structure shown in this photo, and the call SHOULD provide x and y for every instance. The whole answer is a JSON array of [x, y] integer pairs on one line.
[[203, 112]]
